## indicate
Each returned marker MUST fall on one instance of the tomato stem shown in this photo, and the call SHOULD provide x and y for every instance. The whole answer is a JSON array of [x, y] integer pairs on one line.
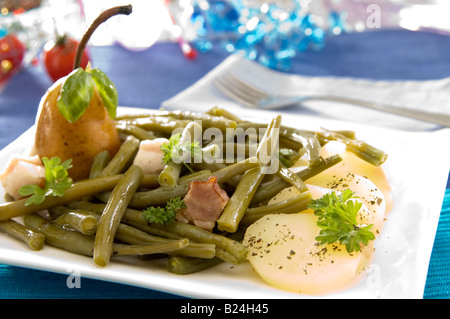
[[60, 40], [105, 15]]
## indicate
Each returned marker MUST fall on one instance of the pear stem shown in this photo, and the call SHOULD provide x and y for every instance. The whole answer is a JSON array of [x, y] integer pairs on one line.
[[105, 15]]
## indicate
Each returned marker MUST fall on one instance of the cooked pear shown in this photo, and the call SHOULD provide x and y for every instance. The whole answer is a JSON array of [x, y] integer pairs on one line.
[[81, 125], [80, 141]]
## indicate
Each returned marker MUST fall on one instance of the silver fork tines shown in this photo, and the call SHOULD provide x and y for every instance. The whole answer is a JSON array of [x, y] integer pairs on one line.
[[248, 95]]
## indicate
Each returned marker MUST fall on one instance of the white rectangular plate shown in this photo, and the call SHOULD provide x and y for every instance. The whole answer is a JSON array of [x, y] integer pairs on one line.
[[417, 169]]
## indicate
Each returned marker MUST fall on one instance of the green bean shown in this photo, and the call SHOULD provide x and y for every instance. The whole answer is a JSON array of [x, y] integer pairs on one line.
[[79, 243], [201, 175], [210, 153], [97, 208], [161, 195], [289, 157], [214, 166], [294, 138], [347, 133], [308, 140], [187, 265], [290, 144], [150, 180], [163, 125], [194, 249], [207, 120], [269, 189], [146, 249], [270, 141], [126, 117], [114, 210], [170, 174], [152, 229], [101, 160], [292, 178], [125, 233], [232, 151], [78, 219], [123, 158], [360, 148], [60, 237], [229, 174], [131, 217], [237, 169], [77, 191], [294, 204], [240, 200], [183, 265], [136, 131], [133, 235], [233, 247], [216, 111], [34, 239], [228, 256]]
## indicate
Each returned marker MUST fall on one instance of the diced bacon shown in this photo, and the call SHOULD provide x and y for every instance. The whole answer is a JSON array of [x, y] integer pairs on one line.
[[150, 155], [204, 202], [22, 171]]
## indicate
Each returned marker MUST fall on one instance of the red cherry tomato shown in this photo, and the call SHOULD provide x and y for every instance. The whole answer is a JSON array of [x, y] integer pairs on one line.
[[12, 52], [58, 59]]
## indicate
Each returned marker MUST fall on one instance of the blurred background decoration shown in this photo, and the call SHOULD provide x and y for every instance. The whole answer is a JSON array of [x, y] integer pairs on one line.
[[271, 32], [26, 25]]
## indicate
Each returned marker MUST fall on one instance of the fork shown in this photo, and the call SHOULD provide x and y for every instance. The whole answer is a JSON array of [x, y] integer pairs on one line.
[[248, 95]]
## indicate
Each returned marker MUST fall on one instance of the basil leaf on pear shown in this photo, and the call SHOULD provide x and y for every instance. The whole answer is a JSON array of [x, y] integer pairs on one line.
[[107, 91], [76, 94]]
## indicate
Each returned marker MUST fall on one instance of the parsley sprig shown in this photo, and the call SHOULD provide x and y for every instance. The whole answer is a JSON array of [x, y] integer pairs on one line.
[[57, 180], [337, 220], [164, 215], [178, 152]]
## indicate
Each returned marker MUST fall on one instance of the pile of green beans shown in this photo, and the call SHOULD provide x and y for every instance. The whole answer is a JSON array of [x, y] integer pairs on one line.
[[101, 216]]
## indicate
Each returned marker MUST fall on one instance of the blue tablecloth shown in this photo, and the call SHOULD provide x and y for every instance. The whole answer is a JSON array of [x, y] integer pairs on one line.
[[145, 79]]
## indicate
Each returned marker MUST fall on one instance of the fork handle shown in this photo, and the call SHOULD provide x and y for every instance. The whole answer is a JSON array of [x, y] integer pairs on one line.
[[437, 118]]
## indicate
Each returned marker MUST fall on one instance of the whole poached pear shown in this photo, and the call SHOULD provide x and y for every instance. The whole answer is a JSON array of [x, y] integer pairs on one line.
[[81, 140], [75, 119]]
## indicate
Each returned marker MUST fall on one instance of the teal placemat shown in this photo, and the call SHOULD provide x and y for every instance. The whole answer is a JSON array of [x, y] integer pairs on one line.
[[23, 283], [438, 280]]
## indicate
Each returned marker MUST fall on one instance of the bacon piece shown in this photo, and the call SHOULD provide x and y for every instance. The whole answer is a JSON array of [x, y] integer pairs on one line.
[[22, 171], [150, 155], [204, 202]]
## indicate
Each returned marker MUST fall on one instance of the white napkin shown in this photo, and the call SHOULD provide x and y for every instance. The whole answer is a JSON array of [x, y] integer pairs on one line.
[[431, 95]]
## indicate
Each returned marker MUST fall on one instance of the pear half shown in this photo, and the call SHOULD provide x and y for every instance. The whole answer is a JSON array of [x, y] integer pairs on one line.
[[80, 141]]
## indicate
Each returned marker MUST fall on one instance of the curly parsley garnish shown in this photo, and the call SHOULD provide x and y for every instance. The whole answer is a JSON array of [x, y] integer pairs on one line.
[[178, 152], [164, 215], [337, 218], [57, 180]]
